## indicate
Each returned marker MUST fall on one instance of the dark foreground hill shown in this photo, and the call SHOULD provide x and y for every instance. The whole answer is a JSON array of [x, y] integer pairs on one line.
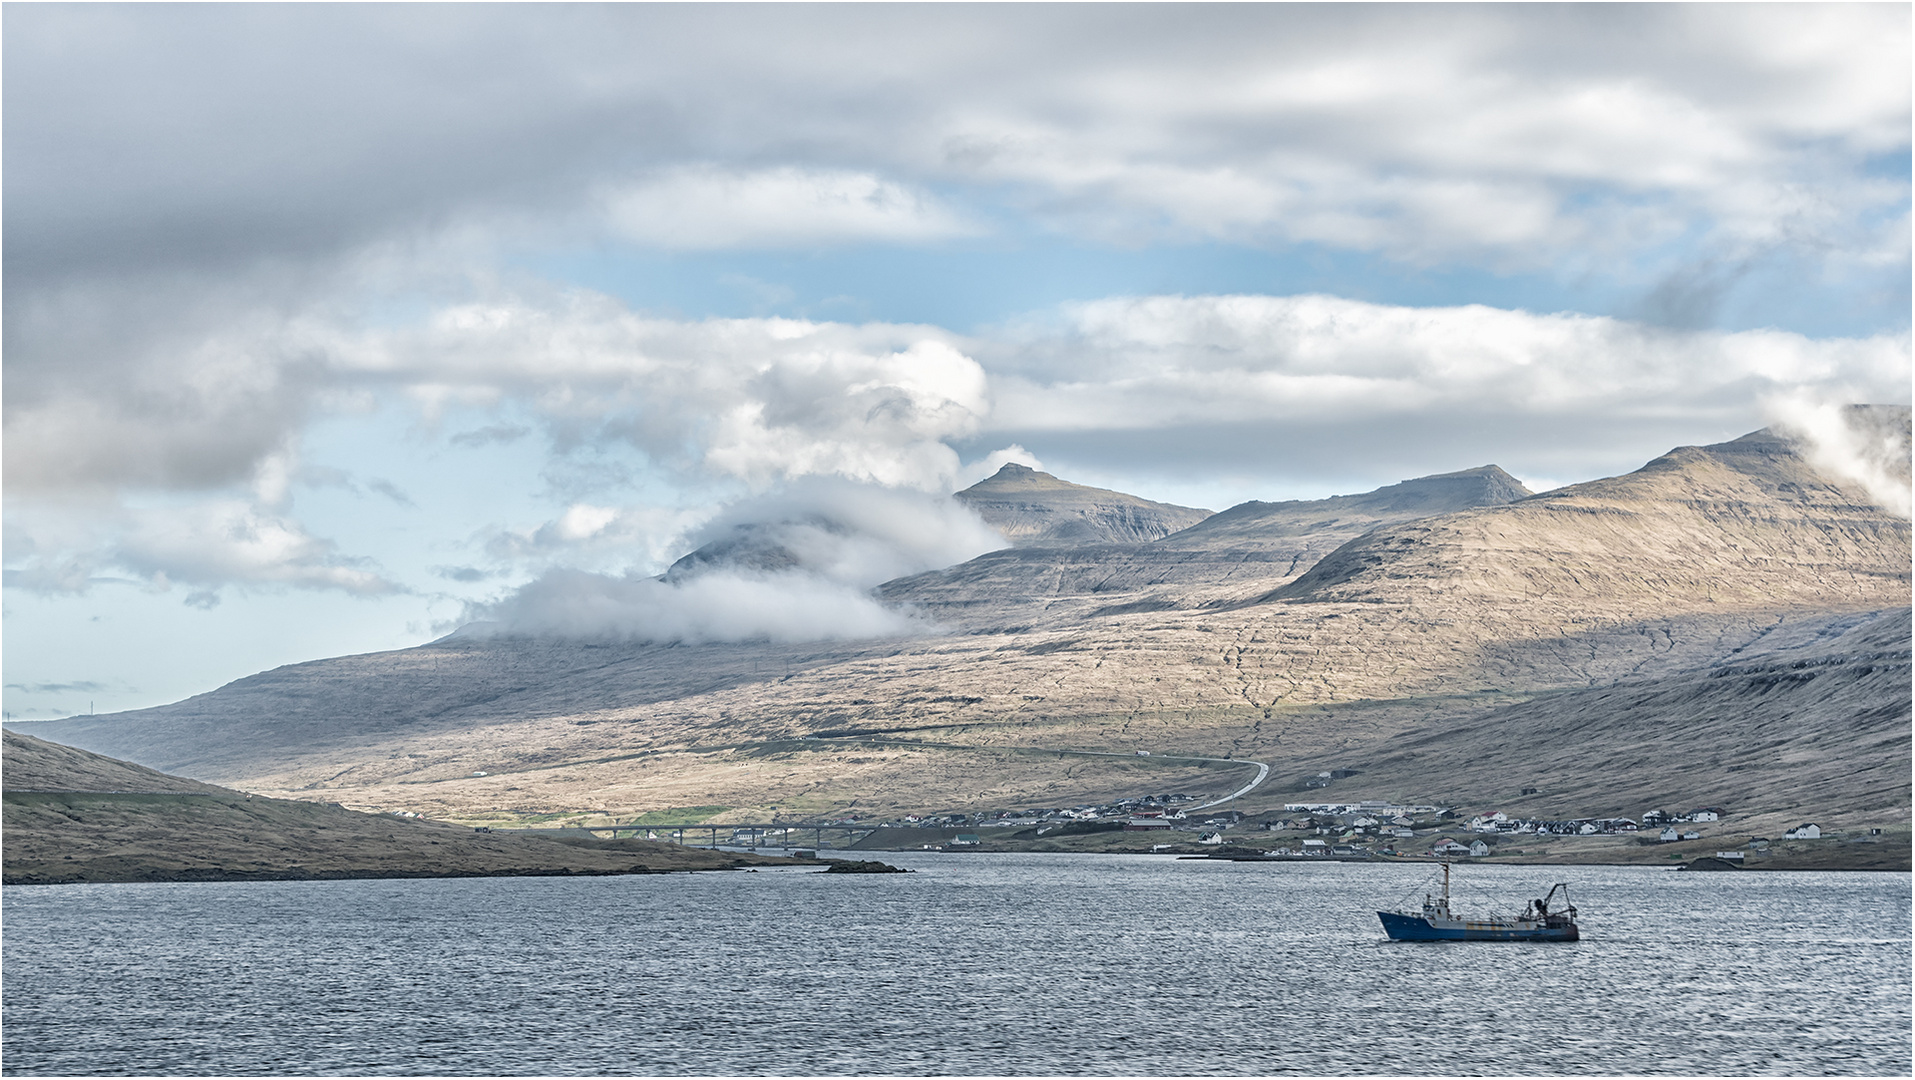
[[71, 816], [1422, 615]]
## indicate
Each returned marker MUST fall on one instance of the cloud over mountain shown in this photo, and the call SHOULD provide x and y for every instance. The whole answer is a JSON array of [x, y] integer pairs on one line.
[[795, 566]]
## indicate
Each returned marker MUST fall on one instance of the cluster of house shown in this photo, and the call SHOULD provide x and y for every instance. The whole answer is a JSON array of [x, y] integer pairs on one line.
[[1368, 808], [1365, 821], [1347, 822], [1152, 806], [1503, 823]]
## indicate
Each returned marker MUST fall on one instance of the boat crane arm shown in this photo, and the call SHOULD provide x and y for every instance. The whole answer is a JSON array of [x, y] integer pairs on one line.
[[1561, 886]]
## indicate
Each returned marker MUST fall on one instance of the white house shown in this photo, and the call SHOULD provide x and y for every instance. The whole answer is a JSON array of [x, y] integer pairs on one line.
[[1478, 849], [1669, 835], [1705, 815], [1810, 831], [1446, 846]]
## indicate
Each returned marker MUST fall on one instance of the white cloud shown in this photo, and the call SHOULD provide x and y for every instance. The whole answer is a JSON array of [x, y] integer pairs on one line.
[[643, 538], [859, 535], [204, 545], [1475, 135], [792, 566], [1164, 361], [989, 464], [707, 206], [727, 606], [760, 403], [756, 399], [1495, 135], [1869, 448]]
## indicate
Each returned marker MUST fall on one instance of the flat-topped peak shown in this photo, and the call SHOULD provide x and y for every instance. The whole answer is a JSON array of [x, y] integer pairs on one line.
[[1033, 508], [1015, 477]]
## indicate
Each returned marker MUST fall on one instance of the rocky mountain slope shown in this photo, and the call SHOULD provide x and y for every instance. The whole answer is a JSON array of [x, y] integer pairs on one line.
[[1036, 509], [1241, 552], [72, 816], [1193, 643], [1808, 721]]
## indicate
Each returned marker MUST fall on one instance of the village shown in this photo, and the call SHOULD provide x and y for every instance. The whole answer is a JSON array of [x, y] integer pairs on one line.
[[1370, 828]]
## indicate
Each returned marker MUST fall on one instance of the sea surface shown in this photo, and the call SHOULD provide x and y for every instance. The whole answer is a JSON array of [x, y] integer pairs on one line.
[[975, 964]]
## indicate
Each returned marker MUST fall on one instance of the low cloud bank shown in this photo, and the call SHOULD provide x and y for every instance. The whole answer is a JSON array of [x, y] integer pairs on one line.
[[722, 606], [854, 534], [1867, 445], [790, 567]]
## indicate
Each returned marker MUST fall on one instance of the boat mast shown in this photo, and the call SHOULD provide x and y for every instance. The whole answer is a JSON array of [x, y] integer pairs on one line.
[[1446, 885]]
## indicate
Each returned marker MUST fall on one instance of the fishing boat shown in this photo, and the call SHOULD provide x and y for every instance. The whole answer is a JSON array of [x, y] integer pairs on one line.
[[1436, 922]]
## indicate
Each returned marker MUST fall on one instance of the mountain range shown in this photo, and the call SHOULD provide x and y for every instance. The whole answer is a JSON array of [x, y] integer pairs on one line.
[[1727, 625]]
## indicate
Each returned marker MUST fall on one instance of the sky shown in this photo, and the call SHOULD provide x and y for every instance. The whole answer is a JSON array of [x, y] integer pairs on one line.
[[337, 328]]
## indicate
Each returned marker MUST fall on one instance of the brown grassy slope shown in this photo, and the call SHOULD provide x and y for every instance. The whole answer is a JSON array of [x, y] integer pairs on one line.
[[133, 827], [31, 764], [1744, 524], [1244, 551]]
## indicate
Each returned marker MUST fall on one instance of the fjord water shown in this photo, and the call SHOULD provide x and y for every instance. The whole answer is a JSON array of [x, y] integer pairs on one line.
[[976, 964]]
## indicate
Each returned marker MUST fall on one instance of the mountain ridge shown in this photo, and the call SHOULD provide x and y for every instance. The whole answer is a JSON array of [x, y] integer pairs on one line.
[[1668, 570], [1208, 564]]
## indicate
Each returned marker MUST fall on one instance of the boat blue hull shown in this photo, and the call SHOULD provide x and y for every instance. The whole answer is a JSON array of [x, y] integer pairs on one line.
[[1411, 928]]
